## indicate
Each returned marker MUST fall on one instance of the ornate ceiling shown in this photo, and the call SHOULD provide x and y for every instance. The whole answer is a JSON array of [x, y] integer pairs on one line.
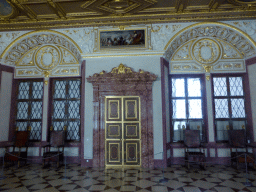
[[47, 14]]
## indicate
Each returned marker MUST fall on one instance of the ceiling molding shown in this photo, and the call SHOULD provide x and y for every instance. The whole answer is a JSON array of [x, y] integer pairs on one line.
[[49, 14]]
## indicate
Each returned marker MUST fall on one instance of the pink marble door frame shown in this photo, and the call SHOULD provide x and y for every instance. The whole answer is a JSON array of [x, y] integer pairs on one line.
[[123, 81]]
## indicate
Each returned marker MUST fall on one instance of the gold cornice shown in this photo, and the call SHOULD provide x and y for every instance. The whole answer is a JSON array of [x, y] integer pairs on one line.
[[128, 55], [39, 31], [210, 23], [116, 23]]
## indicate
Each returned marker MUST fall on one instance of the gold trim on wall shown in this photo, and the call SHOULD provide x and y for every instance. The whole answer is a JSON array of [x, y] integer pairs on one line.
[[39, 31], [210, 23]]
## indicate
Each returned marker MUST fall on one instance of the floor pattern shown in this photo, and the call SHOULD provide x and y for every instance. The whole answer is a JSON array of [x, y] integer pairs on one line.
[[80, 179]]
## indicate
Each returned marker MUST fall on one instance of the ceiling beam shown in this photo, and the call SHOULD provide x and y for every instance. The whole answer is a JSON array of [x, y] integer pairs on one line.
[[57, 9]]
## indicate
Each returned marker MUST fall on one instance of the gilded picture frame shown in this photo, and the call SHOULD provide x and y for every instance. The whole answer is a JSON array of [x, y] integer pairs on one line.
[[129, 39]]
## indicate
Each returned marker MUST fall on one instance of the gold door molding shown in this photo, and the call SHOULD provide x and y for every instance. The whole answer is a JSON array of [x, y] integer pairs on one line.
[[122, 131]]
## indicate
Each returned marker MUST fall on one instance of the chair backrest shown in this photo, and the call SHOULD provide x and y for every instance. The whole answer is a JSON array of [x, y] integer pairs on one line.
[[57, 138], [21, 138], [192, 138], [237, 138]]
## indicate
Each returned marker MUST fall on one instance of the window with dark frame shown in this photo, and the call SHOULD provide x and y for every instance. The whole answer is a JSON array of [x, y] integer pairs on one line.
[[66, 107], [229, 105], [29, 105], [187, 101]]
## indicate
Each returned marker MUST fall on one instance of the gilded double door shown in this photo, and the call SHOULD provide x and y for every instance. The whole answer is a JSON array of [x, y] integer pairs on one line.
[[122, 131]]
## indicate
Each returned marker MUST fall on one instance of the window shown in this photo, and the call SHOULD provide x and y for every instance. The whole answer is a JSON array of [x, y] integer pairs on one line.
[[29, 107], [187, 105], [229, 105], [66, 107]]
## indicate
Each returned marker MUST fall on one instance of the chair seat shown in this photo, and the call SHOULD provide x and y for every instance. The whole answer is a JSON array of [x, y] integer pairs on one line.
[[241, 157], [16, 156]]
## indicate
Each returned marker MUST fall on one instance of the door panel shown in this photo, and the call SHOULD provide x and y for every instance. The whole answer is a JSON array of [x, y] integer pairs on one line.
[[131, 109], [114, 152], [122, 131], [114, 131], [114, 109], [132, 152], [131, 131]]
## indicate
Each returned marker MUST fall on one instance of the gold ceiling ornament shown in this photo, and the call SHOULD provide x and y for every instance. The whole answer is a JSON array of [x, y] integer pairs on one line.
[[46, 82], [117, 7], [47, 14]]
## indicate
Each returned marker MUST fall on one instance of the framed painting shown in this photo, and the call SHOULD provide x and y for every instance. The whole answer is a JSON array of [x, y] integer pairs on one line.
[[123, 39]]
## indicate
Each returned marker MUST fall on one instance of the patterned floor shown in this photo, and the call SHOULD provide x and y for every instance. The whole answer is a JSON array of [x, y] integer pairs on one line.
[[79, 179]]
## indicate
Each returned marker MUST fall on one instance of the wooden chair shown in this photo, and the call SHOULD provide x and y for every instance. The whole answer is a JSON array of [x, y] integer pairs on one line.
[[194, 153], [54, 151], [238, 148], [18, 150]]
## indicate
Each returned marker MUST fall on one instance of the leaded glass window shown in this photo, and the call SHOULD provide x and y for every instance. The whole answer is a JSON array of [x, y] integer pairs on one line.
[[29, 107], [66, 107], [187, 105], [229, 105]]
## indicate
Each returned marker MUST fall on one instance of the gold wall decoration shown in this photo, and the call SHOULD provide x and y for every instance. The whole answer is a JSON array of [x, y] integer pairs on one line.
[[121, 69], [45, 51], [206, 51], [207, 68], [183, 53], [231, 65], [227, 33], [214, 47], [185, 67], [229, 51], [47, 57], [31, 40]]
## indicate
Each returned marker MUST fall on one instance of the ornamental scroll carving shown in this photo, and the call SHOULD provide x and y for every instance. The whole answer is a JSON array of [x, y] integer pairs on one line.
[[43, 54], [122, 80], [122, 74], [220, 31]]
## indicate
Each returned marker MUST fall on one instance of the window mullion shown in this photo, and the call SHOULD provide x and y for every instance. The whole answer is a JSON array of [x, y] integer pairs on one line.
[[229, 103], [30, 96], [186, 101]]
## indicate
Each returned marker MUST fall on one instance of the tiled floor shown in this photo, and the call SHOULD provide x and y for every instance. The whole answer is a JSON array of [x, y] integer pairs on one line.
[[79, 179]]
